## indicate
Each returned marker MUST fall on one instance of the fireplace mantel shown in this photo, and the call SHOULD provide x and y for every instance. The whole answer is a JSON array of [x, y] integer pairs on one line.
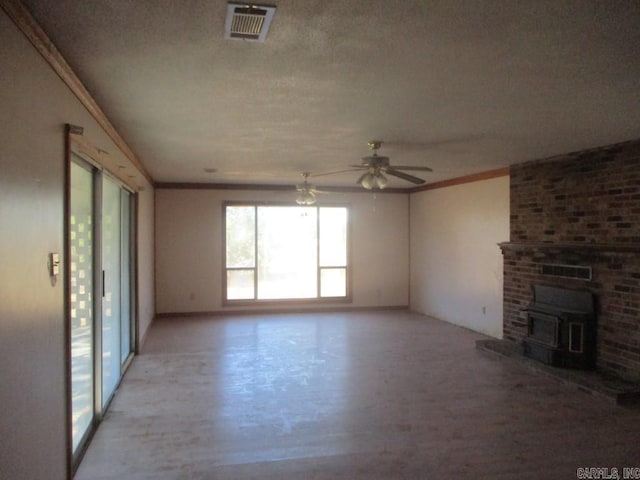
[[594, 247]]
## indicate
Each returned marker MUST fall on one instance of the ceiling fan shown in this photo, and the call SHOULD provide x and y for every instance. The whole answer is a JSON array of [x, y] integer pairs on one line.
[[377, 166], [306, 191]]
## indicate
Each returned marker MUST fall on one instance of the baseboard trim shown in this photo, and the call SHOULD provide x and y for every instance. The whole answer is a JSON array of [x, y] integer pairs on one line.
[[224, 313]]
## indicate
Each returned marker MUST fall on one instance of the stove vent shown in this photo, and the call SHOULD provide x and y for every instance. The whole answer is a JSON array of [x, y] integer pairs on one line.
[[248, 22], [566, 271]]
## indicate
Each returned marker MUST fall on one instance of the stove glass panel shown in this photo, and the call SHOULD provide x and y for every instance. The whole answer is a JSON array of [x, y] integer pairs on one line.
[[543, 328]]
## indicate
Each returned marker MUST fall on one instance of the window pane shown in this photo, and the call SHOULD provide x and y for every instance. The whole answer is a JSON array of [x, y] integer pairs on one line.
[[333, 282], [287, 252], [111, 251], [240, 285], [333, 236], [240, 237], [81, 243]]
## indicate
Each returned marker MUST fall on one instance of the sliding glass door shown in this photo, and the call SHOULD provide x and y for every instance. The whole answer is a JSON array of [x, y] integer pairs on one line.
[[101, 292], [111, 278], [116, 288], [81, 223]]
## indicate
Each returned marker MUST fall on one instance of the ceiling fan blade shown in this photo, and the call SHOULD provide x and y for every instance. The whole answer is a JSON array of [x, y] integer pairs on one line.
[[312, 189], [411, 167], [404, 176], [335, 172]]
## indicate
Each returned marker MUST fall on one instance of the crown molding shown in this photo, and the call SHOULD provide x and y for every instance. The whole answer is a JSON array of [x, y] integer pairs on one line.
[[267, 187], [476, 177], [23, 19]]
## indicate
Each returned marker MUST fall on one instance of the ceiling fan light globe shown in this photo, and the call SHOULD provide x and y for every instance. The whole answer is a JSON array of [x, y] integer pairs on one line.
[[306, 197], [368, 181], [381, 181]]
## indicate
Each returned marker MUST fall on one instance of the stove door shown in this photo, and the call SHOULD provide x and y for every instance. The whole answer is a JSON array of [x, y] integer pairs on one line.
[[543, 328]]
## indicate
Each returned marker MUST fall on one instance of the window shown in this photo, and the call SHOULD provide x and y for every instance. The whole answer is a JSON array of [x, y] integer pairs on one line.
[[285, 252]]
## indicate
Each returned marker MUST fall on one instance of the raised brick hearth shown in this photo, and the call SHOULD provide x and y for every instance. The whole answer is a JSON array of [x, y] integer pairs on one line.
[[580, 209]]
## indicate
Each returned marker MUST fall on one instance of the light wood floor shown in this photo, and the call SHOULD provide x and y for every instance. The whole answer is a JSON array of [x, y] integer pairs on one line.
[[390, 395]]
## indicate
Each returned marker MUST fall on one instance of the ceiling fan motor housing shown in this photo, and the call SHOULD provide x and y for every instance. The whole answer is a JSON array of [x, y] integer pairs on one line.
[[375, 161]]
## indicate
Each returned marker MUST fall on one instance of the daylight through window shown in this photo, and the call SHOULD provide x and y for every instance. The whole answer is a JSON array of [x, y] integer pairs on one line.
[[285, 252]]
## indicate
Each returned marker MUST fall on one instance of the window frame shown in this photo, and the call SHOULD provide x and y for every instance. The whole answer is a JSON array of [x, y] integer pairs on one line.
[[285, 301]]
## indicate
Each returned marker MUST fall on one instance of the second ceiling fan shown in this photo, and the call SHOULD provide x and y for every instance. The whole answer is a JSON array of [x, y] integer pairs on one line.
[[377, 166]]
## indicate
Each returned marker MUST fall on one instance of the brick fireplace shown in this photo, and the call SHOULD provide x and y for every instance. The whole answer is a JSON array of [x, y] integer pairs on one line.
[[580, 210]]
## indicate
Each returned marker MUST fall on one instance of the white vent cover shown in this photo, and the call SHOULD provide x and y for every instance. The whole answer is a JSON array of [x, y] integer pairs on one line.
[[248, 22]]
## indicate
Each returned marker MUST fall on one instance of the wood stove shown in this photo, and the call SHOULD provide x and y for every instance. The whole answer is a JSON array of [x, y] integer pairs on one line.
[[561, 328]]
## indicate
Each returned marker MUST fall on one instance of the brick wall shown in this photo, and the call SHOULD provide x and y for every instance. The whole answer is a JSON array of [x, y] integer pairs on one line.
[[580, 209]]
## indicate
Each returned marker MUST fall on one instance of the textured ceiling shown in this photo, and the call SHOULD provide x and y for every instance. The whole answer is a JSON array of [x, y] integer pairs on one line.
[[460, 86]]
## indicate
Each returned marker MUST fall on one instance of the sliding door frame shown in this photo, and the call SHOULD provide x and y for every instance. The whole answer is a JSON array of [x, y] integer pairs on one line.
[[98, 171], [132, 236]]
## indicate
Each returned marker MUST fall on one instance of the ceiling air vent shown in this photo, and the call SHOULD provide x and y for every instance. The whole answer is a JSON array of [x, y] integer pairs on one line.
[[248, 22]]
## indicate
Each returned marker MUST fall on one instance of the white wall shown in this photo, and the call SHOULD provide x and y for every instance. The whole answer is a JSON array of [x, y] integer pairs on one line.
[[34, 107], [456, 265], [146, 261], [189, 262]]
